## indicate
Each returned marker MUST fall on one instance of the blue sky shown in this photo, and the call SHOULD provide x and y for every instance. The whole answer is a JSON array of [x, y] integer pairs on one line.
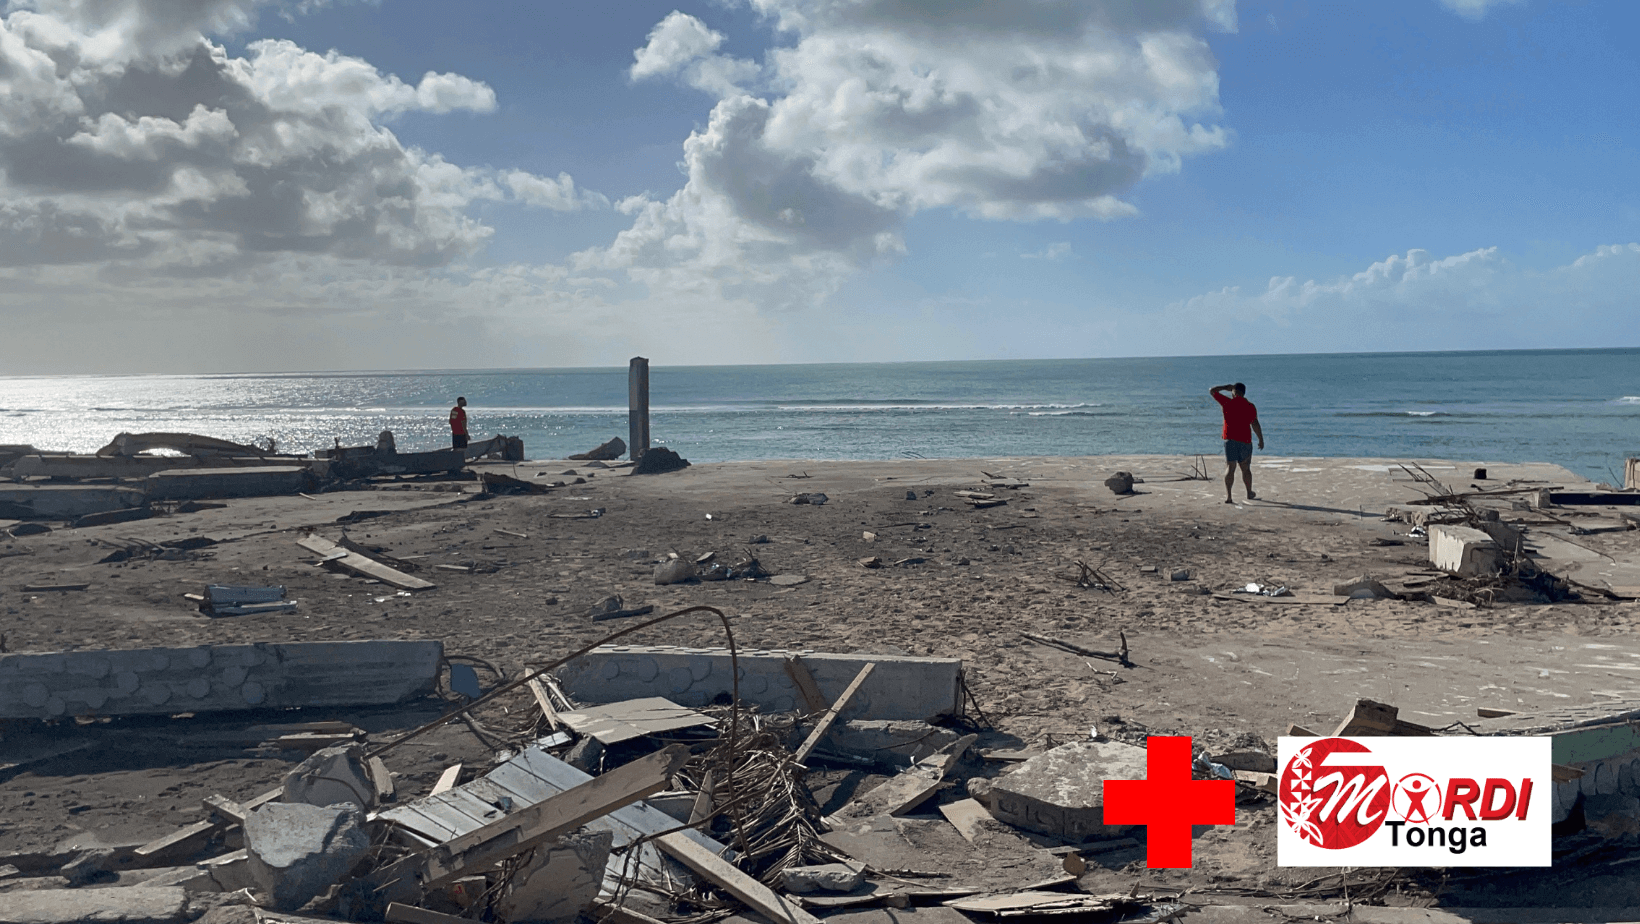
[[418, 184]]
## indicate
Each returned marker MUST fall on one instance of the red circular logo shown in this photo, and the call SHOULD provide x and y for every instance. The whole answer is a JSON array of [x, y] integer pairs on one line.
[[1416, 798], [1335, 803]]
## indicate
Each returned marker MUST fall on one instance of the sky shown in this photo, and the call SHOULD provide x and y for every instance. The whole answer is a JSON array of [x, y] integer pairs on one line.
[[294, 185]]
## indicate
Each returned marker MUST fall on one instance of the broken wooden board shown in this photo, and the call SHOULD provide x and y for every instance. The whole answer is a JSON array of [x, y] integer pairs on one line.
[[913, 787], [806, 686], [481, 849], [191, 838], [448, 779], [362, 565], [634, 718], [1370, 718], [212, 678], [714, 868], [968, 817], [830, 718]]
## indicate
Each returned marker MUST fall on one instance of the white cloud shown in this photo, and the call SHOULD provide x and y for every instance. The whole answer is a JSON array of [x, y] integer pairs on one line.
[[1476, 9], [127, 135], [871, 111], [1418, 302], [1058, 250]]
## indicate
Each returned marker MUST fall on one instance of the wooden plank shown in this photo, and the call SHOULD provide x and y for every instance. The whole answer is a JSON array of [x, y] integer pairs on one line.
[[543, 700], [481, 849], [447, 780], [363, 565], [806, 687], [913, 787], [195, 836], [633, 718], [824, 725], [382, 779], [1486, 713], [1299, 731], [226, 807], [968, 817], [409, 914], [1369, 718], [712, 867]]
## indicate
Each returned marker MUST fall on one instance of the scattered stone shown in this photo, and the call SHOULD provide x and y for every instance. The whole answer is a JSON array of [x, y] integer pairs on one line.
[[613, 449], [1062, 792], [92, 865], [1120, 483], [1250, 760], [560, 880], [758, 540], [658, 460], [28, 529], [332, 776], [815, 498], [872, 562], [298, 851], [788, 580], [911, 495], [1363, 588], [586, 756], [129, 905], [674, 571], [1183, 574], [830, 877]]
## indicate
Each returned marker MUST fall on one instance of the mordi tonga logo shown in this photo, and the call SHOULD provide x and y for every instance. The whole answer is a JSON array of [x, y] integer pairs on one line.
[[1338, 803]]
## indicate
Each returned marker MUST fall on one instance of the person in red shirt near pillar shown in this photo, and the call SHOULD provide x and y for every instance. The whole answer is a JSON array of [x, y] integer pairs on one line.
[[1240, 424], [458, 424]]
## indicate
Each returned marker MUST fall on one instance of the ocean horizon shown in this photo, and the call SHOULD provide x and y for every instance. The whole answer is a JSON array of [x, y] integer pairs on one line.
[[1576, 408]]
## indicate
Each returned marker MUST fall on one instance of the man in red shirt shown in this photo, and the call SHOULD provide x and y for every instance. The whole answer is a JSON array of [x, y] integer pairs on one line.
[[458, 424], [1240, 423]]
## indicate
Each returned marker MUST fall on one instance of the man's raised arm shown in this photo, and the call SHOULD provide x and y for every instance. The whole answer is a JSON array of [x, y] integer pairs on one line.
[[1214, 391]]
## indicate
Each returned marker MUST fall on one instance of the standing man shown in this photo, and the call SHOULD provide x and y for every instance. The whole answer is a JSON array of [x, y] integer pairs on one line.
[[1240, 423], [458, 424]]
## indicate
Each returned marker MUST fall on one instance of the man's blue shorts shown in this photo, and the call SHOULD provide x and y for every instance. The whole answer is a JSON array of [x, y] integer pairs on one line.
[[1237, 451]]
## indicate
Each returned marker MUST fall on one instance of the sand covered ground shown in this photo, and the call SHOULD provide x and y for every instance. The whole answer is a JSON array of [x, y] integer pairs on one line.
[[955, 581]]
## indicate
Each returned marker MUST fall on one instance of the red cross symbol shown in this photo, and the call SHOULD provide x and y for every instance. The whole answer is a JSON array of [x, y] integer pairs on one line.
[[1167, 802]]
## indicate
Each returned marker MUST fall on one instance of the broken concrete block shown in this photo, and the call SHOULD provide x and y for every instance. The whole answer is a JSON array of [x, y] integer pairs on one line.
[[1062, 792], [1423, 514], [901, 686], [897, 742], [133, 905], [675, 571], [560, 880], [830, 877], [1363, 588], [1464, 551], [90, 866], [1120, 483], [332, 776], [298, 851]]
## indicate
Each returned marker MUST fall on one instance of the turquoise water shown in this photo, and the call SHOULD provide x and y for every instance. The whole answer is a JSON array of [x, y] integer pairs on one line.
[[1579, 408]]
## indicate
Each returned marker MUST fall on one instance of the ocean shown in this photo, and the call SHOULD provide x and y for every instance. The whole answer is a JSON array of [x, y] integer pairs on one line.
[[1578, 408]]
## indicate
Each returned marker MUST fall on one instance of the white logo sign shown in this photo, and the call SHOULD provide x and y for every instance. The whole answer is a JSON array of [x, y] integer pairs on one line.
[[1451, 801]]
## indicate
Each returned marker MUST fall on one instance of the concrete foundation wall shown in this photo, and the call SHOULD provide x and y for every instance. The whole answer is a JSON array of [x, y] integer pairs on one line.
[[1463, 550], [900, 687], [162, 681], [68, 501], [252, 481], [1618, 775], [90, 466]]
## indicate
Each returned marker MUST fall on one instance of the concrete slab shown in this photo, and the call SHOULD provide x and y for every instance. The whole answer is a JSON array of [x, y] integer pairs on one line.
[[162, 681], [250, 481], [74, 465], [559, 881], [1062, 792], [1463, 550], [137, 905], [67, 501], [298, 851], [901, 687]]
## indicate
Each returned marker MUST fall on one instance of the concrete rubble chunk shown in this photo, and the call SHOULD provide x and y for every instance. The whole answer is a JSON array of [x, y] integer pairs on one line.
[[675, 571], [1120, 483], [901, 687], [332, 776], [1464, 551], [133, 905], [831, 877], [895, 742], [1363, 588], [560, 880], [1062, 792], [298, 851]]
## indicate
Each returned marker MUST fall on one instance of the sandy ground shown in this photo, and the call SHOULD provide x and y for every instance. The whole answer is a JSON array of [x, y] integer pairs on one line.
[[1224, 671]]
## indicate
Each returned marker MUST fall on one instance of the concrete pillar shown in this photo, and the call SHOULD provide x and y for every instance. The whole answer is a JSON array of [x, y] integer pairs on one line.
[[1631, 475], [637, 400]]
